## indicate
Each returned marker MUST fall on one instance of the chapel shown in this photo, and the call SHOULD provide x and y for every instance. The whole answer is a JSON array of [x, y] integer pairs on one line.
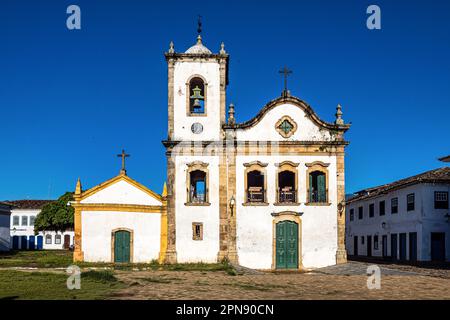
[[267, 193]]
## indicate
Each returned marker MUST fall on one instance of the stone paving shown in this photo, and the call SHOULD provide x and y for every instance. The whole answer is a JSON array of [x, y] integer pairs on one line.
[[348, 281]]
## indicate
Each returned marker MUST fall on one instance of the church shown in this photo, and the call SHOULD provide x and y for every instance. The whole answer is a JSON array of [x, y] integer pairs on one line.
[[267, 193]]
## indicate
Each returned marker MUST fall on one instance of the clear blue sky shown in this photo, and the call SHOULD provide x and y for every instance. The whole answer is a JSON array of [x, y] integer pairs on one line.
[[71, 100]]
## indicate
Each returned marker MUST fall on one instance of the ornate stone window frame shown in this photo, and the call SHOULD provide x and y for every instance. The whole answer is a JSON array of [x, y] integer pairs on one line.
[[194, 166], [312, 167], [281, 132], [255, 166], [194, 237], [113, 238], [286, 216], [292, 167], [188, 94]]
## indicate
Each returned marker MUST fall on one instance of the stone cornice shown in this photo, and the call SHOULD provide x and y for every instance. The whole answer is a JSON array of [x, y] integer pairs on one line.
[[243, 143]]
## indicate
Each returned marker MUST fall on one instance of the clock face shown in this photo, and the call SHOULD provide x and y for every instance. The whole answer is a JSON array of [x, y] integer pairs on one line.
[[197, 128]]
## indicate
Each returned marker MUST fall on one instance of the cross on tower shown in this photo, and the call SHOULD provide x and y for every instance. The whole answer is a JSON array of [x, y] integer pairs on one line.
[[286, 72], [199, 24], [123, 155]]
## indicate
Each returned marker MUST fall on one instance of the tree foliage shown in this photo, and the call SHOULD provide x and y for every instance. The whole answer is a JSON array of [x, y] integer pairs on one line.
[[56, 216]]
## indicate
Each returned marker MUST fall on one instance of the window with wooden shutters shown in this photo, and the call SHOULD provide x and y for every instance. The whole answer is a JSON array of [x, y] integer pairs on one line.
[[317, 183], [441, 200]]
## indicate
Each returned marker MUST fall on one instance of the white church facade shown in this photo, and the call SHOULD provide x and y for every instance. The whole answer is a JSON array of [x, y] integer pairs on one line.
[[267, 193]]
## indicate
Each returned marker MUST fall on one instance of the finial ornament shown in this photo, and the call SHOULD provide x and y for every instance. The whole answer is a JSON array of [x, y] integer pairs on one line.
[[222, 48], [78, 188], [231, 119], [171, 47], [338, 115]]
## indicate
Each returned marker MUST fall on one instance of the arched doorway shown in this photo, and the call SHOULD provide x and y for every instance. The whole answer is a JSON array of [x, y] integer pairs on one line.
[[122, 246]]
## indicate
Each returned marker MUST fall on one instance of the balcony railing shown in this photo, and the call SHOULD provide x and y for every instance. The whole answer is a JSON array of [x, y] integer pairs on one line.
[[197, 198], [287, 195], [255, 194], [317, 197]]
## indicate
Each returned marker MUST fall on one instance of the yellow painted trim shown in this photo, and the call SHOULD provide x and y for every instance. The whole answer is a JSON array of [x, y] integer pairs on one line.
[[118, 207], [163, 238], [78, 253], [110, 182]]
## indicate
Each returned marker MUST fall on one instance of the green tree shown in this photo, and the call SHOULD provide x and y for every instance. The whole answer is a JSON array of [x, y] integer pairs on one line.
[[56, 216]]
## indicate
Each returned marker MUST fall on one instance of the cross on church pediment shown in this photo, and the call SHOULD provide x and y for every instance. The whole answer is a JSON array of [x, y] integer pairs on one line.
[[286, 72], [123, 155]]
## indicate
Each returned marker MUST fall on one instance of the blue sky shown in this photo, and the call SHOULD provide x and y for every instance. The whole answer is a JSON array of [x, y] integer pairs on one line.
[[71, 100]]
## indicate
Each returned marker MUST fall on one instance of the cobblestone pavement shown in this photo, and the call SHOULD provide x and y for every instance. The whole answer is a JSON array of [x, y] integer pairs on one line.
[[348, 281]]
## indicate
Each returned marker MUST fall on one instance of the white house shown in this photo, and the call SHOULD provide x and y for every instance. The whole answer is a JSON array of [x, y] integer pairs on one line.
[[5, 212], [406, 220], [23, 215]]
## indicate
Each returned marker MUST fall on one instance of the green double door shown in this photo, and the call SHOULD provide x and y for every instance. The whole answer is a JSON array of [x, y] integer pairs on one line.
[[287, 245], [122, 246]]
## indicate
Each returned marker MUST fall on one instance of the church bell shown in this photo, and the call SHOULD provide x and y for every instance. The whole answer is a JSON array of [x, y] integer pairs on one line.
[[197, 96]]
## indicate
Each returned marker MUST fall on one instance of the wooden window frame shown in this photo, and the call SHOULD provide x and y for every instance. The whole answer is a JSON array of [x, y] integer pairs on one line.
[[282, 167], [352, 214], [360, 213], [57, 236], [396, 210], [281, 132], [48, 236], [444, 202], [188, 94], [413, 202], [371, 210], [255, 166], [196, 237], [197, 166], [22, 219], [18, 221], [321, 167], [382, 212]]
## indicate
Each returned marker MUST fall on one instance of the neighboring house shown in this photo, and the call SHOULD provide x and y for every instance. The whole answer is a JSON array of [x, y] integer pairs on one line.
[[268, 193], [406, 220], [5, 213], [23, 216]]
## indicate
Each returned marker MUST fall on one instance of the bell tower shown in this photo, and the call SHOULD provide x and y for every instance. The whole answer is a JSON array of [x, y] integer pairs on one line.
[[197, 81]]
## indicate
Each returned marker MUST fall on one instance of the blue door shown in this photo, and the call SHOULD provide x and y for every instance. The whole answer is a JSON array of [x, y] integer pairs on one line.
[[23, 242], [31, 243], [15, 242], [40, 242]]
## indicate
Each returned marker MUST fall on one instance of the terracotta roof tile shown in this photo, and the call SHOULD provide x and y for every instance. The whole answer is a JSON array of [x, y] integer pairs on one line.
[[440, 175], [29, 204]]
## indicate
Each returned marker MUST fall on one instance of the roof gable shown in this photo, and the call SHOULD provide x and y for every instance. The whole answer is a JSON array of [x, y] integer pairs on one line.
[[121, 190]]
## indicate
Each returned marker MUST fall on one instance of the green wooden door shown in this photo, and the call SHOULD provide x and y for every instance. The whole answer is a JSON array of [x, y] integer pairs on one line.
[[122, 246], [287, 245]]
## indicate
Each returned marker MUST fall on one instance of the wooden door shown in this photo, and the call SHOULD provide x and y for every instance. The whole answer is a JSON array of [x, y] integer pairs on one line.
[[122, 246], [438, 246], [394, 246], [66, 241], [384, 246], [412, 246], [355, 246], [403, 246], [286, 245], [369, 246]]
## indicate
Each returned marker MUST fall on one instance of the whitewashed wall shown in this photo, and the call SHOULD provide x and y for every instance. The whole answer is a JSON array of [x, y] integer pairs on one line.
[[211, 123], [424, 219], [122, 192], [189, 250], [96, 228], [255, 223], [307, 130]]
